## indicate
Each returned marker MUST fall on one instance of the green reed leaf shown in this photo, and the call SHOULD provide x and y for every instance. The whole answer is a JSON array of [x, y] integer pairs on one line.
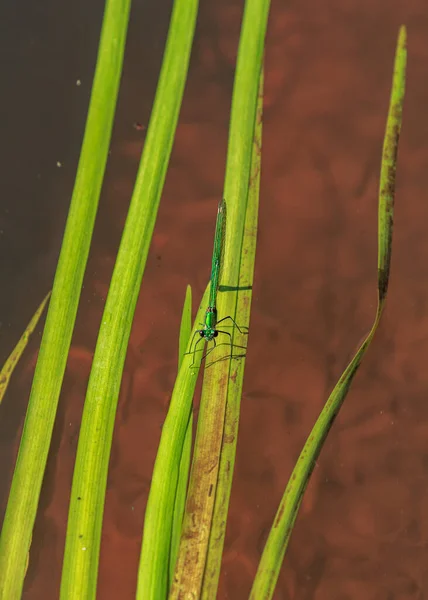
[[277, 542]]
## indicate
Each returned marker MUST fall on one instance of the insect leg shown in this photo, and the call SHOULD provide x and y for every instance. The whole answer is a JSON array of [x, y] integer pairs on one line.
[[235, 323]]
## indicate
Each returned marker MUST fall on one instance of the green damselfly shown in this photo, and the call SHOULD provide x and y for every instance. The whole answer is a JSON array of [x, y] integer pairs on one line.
[[209, 332]]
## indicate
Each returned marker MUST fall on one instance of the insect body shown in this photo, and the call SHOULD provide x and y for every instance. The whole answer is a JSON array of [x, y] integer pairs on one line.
[[209, 331]]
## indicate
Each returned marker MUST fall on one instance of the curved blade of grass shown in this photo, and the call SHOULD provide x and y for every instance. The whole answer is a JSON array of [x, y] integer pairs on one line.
[[30, 465], [157, 552], [277, 542], [183, 472], [80, 567], [203, 481], [234, 392], [12, 360], [185, 326]]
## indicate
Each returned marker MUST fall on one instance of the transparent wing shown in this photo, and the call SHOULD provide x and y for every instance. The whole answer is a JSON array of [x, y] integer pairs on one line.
[[217, 261]]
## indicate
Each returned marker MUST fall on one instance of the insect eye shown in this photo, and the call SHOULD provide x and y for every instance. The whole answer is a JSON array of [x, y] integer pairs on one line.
[[215, 333], [201, 332]]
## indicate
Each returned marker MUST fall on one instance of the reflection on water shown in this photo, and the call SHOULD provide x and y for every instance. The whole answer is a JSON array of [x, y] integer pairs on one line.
[[361, 529]]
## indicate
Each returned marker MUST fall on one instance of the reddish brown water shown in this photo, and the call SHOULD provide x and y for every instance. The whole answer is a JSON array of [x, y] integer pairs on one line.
[[362, 531]]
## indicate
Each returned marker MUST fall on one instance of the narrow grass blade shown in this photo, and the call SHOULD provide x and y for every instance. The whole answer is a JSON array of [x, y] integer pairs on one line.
[[234, 392], [80, 567], [155, 559], [183, 472], [186, 325], [277, 542], [202, 487], [30, 465], [12, 360]]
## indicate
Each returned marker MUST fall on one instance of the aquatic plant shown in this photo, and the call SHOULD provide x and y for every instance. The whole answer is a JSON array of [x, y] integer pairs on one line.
[[185, 522]]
